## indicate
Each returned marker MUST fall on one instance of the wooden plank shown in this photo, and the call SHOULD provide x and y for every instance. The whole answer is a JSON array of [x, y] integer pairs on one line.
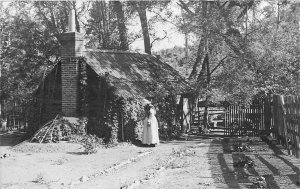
[[243, 116], [292, 119], [277, 117], [226, 121], [297, 142], [239, 120], [233, 119], [230, 120], [261, 108], [283, 102]]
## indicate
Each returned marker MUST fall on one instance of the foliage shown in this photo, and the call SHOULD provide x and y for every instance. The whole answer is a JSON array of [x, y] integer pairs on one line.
[[106, 27], [29, 52], [91, 143], [260, 182], [101, 27], [133, 116], [176, 57], [40, 178], [241, 49], [82, 83], [54, 15], [141, 7], [244, 161]]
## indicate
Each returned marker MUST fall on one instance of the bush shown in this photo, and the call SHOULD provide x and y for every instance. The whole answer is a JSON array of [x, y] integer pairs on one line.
[[91, 143]]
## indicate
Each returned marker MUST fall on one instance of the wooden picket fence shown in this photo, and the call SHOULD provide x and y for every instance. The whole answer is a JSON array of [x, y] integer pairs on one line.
[[285, 121], [241, 120]]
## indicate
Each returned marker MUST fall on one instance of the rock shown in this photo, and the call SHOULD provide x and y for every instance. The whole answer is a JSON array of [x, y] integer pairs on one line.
[[84, 178]]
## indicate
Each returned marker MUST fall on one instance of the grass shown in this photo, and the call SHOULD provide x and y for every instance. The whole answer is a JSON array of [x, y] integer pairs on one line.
[[184, 151], [180, 158], [39, 179], [60, 161]]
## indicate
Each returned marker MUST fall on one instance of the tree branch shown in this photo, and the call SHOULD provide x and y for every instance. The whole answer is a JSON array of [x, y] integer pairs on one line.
[[184, 6], [159, 38], [219, 64]]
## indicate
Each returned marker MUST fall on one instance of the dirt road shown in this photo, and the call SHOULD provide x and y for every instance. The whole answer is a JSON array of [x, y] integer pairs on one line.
[[199, 162], [177, 164]]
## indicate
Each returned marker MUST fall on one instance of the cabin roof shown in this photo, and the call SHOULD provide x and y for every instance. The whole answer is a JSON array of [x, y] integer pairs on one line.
[[135, 74]]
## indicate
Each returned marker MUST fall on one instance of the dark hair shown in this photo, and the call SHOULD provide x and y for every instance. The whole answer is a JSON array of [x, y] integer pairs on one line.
[[147, 109]]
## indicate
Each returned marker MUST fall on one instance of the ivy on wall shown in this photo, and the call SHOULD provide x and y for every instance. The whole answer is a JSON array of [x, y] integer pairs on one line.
[[113, 117], [82, 83]]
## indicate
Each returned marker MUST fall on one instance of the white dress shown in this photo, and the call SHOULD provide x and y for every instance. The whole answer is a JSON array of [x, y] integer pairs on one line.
[[150, 129]]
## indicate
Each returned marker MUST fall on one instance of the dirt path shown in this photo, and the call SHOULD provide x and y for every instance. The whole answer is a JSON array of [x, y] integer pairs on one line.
[[196, 163], [171, 165], [270, 161], [205, 163]]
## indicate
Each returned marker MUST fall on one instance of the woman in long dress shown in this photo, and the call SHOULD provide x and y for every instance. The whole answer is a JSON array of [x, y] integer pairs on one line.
[[150, 127]]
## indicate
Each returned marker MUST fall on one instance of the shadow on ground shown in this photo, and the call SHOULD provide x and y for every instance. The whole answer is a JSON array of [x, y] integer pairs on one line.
[[12, 138], [279, 170]]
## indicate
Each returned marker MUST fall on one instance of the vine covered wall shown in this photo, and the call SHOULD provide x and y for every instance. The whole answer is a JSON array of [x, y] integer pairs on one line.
[[45, 103], [109, 116]]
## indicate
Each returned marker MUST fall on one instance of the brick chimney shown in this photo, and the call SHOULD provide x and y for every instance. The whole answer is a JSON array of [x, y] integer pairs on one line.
[[72, 47]]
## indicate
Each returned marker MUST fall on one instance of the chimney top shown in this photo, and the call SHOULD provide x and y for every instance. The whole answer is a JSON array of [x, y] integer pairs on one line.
[[72, 24]]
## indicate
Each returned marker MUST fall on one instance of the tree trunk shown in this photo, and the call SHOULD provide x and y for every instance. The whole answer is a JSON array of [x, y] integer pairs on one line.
[[197, 61], [201, 46], [205, 67], [206, 113], [105, 37], [121, 25], [141, 8], [76, 17]]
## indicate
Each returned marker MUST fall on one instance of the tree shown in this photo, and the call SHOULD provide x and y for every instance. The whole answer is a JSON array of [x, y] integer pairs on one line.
[[31, 49], [55, 14], [141, 8], [106, 26], [219, 27], [118, 9]]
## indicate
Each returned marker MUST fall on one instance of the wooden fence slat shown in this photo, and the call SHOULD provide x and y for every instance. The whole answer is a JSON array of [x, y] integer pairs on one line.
[[297, 128]]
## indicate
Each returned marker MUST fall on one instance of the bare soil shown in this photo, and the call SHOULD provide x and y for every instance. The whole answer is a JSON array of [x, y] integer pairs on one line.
[[198, 162]]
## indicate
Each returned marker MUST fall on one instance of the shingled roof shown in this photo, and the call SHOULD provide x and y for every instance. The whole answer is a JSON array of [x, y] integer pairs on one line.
[[133, 73]]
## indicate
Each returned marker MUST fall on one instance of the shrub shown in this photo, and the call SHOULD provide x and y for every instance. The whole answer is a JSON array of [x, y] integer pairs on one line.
[[91, 143], [39, 179]]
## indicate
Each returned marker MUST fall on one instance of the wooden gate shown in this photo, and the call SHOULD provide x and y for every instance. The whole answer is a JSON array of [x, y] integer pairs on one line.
[[241, 120]]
